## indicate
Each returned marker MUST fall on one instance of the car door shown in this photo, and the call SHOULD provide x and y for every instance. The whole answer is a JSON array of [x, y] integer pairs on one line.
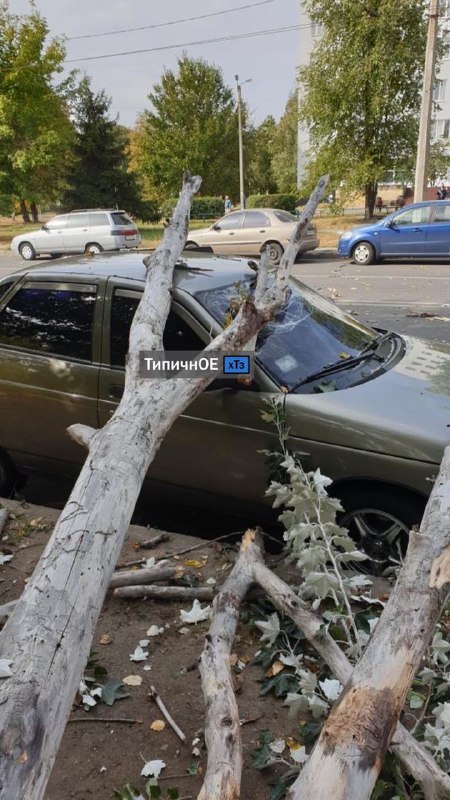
[[77, 233], [214, 446], [224, 235], [48, 370], [406, 233], [438, 237], [254, 230], [50, 239]]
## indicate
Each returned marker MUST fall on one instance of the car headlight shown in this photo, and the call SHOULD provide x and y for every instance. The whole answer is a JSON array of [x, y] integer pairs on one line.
[[346, 235]]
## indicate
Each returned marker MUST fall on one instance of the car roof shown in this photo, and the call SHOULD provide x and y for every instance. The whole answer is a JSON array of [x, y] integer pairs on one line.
[[192, 273]]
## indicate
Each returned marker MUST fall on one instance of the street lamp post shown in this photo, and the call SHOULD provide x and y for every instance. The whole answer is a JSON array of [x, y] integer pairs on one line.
[[241, 147]]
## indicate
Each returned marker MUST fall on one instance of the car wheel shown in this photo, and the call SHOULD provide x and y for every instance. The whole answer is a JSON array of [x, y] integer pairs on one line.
[[93, 248], [363, 253], [191, 246], [379, 520], [27, 251], [8, 475], [275, 252]]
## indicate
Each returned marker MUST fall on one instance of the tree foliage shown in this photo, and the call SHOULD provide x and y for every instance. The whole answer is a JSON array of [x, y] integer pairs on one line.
[[284, 160], [192, 125], [362, 88], [35, 130], [99, 174], [260, 174]]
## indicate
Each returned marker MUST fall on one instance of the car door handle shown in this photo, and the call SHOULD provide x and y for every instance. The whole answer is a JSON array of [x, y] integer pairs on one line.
[[231, 233], [263, 230], [115, 391], [417, 230]]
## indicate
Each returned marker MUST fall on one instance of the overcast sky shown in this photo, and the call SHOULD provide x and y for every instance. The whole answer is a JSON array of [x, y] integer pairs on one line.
[[270, 61]]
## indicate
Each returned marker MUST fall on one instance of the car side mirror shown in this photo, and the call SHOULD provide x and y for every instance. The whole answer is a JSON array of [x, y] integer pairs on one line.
[[216, 227], [44, 228]]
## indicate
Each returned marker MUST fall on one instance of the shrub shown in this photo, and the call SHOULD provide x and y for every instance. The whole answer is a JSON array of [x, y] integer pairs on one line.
[[149, 211], [202, 207], [284, 201]]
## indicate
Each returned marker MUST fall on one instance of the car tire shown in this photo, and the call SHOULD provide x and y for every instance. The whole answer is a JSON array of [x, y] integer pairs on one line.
[[379, 520], [363, 254], [8, 475], [27, 251], [191, 246], [94, 248], [276, 251]]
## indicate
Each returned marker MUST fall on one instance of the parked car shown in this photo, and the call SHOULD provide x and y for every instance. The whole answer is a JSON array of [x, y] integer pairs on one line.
[[80, 231], [419, 230], [371, 409], [245, 233]]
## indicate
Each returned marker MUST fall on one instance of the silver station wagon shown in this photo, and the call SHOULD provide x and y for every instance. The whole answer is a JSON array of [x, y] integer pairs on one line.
[[87, 230]]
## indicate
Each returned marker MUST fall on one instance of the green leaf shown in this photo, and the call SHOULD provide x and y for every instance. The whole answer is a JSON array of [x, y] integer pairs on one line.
[[173, 794], [193, 768], [415, 700], [113, 690], [128, 792]]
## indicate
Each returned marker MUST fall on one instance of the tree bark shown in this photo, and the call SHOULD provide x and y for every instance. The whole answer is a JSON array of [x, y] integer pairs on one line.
[[370, 195], [24, 211], [222, 729], [34, 212], [349, 753], [165, 592], [49, 633]]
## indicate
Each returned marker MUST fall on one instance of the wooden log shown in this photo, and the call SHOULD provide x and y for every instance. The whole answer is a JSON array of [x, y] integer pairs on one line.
[[222, 727], [149, 544], [417, 760], [134, 577], [165, 592], [49, 634], [349, 753]]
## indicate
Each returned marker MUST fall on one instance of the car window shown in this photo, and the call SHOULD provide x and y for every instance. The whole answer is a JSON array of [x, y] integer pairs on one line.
[[413, 216], [178, 335], [230, 221], [56, 223], [50, 321], [78, 221], [119, 218], [285, 216], [98, 219], [442, 213], [256, 219], [4, 287]]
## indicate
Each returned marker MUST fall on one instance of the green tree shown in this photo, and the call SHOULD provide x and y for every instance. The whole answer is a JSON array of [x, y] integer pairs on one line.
[[99, 175], [284, 160], [35, 130], [260, 177], [362, 89], [192, 125]]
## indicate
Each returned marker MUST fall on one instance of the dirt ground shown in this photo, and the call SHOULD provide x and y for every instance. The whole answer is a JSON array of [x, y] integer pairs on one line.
[[99, 757]]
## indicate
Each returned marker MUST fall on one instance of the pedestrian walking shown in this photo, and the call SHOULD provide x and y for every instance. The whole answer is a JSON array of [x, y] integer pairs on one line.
[[379, 204], [227, 204]]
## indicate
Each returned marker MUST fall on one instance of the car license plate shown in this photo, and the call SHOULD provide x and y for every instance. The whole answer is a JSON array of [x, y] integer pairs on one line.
[[130, 237]]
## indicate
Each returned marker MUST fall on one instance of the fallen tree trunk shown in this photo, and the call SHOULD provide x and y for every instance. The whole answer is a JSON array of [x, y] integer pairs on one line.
[[49, 633], [222, 729], [350, 751]]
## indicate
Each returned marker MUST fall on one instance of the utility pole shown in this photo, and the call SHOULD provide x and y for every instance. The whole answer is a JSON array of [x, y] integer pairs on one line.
[[423, 144], [241, 146]]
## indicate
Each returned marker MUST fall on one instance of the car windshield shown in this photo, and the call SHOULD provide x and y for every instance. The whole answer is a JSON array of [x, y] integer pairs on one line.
[[308, 334]]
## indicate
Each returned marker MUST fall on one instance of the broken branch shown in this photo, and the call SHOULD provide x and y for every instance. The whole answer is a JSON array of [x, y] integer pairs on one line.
[[157, 699]]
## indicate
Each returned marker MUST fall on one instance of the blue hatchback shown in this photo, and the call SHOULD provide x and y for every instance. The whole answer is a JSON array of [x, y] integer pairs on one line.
[[419, 230]]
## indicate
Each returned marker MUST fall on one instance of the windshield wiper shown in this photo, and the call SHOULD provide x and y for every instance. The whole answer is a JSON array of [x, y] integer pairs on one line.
[[353, 361]]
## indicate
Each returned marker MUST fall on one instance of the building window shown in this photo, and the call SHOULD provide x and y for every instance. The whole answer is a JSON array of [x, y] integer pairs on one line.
[[440, 129], [439, 91]]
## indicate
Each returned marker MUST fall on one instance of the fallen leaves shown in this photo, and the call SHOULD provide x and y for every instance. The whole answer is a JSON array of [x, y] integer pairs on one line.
[[105, 639], [158, 725], [153, 769], [139, 654], [132, 680], [196, 613], [4, 558]]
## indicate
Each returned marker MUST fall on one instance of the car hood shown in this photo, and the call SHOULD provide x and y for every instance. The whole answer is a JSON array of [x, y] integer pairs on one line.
[[404, 412], [200, 232]]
